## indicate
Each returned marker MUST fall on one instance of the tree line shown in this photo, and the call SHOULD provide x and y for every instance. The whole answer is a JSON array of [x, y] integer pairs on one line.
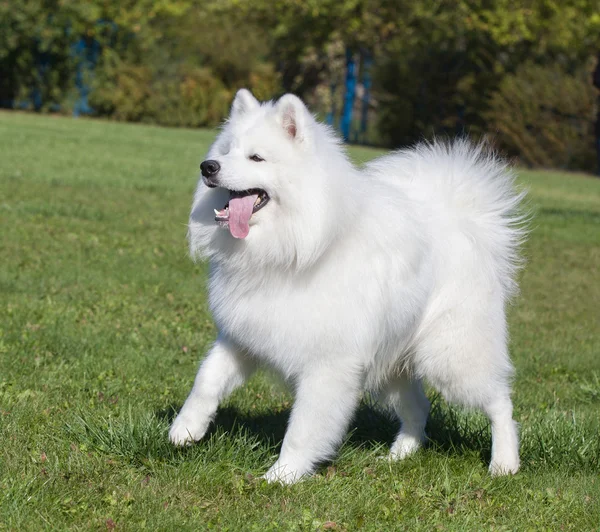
[[518, 72]]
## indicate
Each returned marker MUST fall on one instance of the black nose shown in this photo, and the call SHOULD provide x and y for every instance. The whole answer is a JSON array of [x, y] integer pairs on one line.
[[210, 168]]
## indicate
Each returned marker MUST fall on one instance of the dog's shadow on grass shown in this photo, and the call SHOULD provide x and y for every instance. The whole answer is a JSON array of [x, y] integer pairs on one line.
[[449, 432]]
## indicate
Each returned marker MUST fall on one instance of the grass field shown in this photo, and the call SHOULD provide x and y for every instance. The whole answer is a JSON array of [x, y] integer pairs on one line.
[[103, 320]]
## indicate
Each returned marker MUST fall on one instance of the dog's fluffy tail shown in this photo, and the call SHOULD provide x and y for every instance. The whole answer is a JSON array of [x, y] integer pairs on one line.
[[479, 187], [470, 185]]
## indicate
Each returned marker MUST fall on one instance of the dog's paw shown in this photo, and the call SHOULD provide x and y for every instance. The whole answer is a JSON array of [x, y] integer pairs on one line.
[[508, 467], [283, 474], [405, 445], [185, 430]]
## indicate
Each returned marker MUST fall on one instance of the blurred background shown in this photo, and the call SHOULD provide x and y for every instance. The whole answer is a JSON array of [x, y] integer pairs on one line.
[[382, 72]]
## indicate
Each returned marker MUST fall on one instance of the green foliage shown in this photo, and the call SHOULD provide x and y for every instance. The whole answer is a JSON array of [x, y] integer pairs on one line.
[[172, 62], [192, 97], [545, 117], [36, 39], [122, 92], [195, 98], [446, 60], [440, 65], [24, 39], [103, 319], [186, 72]]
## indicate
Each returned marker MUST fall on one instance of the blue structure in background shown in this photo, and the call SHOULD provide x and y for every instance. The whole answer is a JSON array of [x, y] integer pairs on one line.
[[346, 122], [359, 135], [366, 80], [43, 66], [86, 52]]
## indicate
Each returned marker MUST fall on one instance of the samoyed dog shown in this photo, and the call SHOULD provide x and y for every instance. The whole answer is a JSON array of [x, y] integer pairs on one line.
[[345, 280]]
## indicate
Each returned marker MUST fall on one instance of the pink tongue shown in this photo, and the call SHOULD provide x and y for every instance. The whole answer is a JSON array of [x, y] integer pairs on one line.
[[240, 210]]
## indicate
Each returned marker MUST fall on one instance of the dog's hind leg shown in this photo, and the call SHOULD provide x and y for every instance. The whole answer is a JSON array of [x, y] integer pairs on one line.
[[223, 370], [505, 439], [467, 361], [407, 398]]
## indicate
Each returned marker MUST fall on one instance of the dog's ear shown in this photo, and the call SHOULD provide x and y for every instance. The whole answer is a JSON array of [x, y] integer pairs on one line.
[[292, 114], [243, 102]]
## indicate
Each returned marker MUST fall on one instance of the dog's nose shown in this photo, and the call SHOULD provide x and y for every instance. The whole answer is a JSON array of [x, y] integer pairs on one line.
[[210, 168]]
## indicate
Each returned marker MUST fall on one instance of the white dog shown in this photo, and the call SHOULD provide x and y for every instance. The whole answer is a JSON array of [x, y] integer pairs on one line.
[[344, 280]]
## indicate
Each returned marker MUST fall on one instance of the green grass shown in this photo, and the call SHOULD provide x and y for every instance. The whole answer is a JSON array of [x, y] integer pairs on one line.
[[103, 320]]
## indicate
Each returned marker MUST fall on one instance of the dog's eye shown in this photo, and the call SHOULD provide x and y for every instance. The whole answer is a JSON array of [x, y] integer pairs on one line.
[[256, 158]]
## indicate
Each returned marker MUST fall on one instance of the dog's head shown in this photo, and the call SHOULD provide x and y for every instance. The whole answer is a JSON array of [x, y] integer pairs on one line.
[[270, 188]]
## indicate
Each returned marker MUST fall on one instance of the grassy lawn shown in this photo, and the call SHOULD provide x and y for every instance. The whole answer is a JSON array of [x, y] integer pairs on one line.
[[103, 320]]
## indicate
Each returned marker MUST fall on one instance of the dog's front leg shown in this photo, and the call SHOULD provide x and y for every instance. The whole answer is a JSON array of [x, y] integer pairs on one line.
[[326, 399], [223, 370]]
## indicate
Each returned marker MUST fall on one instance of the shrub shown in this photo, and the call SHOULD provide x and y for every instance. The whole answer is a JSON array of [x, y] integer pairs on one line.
[[264, 81], [544, 116], [194, 98], [187, 96], [122, 92], [183, 70], [190, 98]]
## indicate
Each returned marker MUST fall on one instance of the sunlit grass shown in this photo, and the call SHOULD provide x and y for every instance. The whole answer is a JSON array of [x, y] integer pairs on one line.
[[103, 320]]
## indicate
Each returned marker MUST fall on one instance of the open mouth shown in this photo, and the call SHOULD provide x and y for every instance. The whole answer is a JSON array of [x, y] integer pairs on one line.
[[239, 209]]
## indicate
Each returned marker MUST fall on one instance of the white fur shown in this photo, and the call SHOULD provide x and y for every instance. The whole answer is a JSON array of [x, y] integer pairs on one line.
[[356, 279]]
